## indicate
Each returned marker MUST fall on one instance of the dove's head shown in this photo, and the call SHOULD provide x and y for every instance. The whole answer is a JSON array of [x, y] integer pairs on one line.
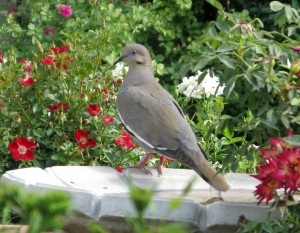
[[135, 55]]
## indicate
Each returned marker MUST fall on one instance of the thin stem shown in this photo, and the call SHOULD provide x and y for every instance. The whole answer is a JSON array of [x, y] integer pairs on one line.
[[282, 35]]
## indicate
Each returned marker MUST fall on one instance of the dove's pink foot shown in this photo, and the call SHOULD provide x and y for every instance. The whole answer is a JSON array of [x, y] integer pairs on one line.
[[144, 160], [141, 164], [160, 166]]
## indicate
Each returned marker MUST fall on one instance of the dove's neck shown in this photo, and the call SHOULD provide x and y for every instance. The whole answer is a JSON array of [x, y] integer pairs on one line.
[[138, 75]]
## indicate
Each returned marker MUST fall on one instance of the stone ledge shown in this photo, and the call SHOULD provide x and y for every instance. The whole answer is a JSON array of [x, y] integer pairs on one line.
[[101, 193]]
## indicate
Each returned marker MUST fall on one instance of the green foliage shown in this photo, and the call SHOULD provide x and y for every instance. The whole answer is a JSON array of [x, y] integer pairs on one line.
[[43, 211], [261, 94]]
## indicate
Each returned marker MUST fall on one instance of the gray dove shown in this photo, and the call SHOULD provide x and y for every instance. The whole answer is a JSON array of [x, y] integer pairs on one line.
[[155, 120]]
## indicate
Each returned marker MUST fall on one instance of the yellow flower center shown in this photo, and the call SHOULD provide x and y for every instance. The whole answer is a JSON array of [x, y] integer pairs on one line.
[[83, 140], [22, 150]]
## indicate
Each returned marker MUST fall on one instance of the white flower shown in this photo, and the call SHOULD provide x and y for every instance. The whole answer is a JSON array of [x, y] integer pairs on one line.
[[118, 72], [209, 86]]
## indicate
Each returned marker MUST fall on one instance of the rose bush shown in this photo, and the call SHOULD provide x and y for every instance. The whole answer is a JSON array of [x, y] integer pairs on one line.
[[67, 114]]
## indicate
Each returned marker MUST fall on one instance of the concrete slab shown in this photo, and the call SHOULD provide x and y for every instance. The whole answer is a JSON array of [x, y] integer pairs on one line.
[[101, 193]]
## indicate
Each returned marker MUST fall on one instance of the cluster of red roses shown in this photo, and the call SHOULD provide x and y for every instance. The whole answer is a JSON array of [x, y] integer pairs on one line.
[[125, 141], [280, 171], [60, 62], [59, 58]]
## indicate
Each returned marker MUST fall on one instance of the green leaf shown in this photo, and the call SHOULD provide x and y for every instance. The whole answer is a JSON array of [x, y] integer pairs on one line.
[[31, 26], [227, 61], [185, 69], [225, 117], [216, 4], [223, 26], [295, 102], [230, 84], [291, 30], [228, 134], [285, 121], [159, 58], [235, 140], [226, 48], [255, 79], [271, 117], [213, 31], [38, 132], [296, 119], [269, 124], [203, 61], [288, 12], [234, 166], [293, 140], [276, 6]]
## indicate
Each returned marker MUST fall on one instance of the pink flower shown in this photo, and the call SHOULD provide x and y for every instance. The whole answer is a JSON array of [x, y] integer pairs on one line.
[[290, 132], [56, 107], [81, 136], [59, 66], [105, 91], [266, 170], [27, 65], [268, 153], [279, 143], [59, 50], [65, 11], [27, 81], [119, 142], [11, 10], [125, 141], [296, 48], [63, 65], [265, 190], [1, 57], [119, 169], [93, 109], [21, 148], [108, 119], [281, 169], [47, 60], [49, 30]]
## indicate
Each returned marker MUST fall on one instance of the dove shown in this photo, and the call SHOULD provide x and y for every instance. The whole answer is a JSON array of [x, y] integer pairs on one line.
[[156, 121]]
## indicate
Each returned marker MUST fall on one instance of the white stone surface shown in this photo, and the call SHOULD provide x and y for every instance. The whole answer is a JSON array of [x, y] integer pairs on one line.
[[101, 192]]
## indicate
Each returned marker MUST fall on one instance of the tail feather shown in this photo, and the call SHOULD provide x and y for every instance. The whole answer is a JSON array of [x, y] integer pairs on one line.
[[198, 162], [210, 175]]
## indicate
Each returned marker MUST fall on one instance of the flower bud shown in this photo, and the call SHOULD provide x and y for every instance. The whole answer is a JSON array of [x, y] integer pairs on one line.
[[295, 67]]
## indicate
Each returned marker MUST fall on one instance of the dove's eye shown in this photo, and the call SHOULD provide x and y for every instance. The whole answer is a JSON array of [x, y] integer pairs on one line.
[[133, 52]]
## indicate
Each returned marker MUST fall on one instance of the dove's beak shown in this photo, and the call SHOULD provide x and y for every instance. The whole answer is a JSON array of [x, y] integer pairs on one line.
[[119, 59]]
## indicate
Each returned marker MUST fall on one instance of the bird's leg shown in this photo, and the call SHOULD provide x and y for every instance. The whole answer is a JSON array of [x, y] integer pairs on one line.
[[160, 165], [141, 164]]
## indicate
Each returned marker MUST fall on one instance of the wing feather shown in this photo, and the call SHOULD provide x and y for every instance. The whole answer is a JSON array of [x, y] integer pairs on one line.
[[150, 117]]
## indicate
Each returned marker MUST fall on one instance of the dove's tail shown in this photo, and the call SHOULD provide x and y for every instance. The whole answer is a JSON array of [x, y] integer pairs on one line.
[[205, 170]]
